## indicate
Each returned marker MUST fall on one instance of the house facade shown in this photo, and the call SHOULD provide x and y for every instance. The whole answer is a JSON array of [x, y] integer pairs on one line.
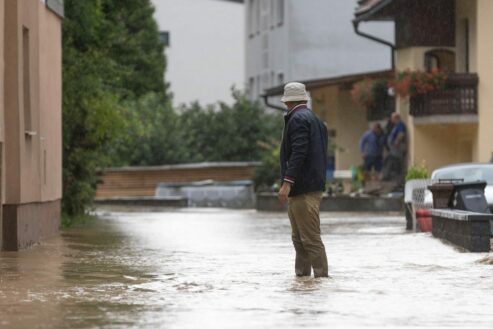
[[292, 40], [454, 124], [30, 120], [346, 121]]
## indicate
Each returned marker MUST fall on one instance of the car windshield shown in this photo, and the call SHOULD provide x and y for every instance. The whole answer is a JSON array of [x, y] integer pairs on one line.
[[468, 174]]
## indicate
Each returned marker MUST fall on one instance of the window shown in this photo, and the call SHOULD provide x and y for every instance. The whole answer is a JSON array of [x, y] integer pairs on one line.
[[280, 78], [273, 13], [258, 86], [251, 86], [257, 16], [26, 79], [252, 24], [280, 12], [442, 59], [466, 44]]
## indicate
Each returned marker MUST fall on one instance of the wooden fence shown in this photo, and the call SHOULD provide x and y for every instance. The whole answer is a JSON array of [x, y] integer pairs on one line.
[[142, 181]]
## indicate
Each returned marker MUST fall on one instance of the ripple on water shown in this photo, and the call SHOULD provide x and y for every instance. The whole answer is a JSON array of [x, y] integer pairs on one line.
[[234, 269]]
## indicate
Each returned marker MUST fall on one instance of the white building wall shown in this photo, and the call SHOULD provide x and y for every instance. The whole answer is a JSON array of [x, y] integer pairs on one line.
[[206, 56], [315, 40]]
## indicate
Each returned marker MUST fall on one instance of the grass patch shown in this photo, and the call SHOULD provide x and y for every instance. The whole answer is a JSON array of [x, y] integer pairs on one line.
[[70, 221]]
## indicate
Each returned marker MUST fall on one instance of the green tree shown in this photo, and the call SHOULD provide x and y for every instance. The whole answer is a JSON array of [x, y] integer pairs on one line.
[[230, 133], [134, 44], [152, 134], [112, 56]]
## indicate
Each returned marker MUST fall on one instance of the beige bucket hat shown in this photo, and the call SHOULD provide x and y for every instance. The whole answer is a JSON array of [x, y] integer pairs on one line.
[[295, 92]]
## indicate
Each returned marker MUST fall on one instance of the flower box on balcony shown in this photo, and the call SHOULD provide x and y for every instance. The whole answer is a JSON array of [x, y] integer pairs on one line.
[[459, 96]]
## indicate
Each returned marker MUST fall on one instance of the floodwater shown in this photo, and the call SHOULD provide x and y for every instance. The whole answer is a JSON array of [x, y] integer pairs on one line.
[[211, 268]]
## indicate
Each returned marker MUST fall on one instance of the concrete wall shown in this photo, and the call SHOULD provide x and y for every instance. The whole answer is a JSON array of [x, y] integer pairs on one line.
[[315, 40], [485, 70]]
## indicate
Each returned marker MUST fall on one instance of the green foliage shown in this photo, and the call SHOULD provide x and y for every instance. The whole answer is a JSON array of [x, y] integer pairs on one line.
[[110, 56], [153, 135], [133, 44], [268, 173], [369, 92], [230, 133], [418, 172], [117, 110]]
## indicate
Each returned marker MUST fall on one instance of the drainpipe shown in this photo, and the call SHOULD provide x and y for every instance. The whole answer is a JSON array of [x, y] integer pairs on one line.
[[373, 38], [275, 107]]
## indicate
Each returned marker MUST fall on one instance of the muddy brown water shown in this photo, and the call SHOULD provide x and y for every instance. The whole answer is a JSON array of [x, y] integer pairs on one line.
[[211, 268]]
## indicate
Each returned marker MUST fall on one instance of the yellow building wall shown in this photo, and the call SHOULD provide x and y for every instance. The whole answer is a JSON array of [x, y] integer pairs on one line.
[[336, 108], [485, 70], [352, 124], [440, 145], [466, 10], [409, 58], [436, 144]]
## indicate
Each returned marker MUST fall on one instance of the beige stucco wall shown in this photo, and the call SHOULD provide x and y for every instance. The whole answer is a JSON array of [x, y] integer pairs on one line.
[[2, 22], [440, 145], [50, 104], [2, 180], [12, 173], [352, 124], [485, 70], [337, 109], [409, 58], [28, 158], [466, 9], [436, 144]]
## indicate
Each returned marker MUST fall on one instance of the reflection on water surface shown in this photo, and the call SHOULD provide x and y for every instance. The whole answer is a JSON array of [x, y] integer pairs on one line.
[[234, 269]]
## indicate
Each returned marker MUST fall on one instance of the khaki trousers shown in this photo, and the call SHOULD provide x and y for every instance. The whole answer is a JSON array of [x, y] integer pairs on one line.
[[304, 215]]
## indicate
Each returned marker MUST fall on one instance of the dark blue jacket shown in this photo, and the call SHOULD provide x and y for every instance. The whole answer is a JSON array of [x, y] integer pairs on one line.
[[304, 151]]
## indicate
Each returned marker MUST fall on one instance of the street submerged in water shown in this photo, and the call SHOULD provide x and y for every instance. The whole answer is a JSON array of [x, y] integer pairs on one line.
[[212, 268]]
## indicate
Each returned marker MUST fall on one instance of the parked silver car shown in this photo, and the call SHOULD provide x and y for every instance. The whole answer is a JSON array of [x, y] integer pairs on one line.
[[468, 172]]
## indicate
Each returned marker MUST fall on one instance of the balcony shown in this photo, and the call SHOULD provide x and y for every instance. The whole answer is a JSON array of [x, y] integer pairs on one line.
[[459, 97]]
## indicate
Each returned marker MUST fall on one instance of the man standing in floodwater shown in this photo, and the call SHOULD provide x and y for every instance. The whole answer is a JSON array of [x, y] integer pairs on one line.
[[303, 164]]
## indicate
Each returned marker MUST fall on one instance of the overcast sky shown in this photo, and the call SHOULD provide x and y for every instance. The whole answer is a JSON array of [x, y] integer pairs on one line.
[[206, 56]]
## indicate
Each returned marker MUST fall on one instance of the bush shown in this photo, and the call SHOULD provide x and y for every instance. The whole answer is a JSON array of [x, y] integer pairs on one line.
[[417, 172]]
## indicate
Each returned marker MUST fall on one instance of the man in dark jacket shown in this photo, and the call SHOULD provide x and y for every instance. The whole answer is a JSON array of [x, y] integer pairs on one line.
[[303, 164]]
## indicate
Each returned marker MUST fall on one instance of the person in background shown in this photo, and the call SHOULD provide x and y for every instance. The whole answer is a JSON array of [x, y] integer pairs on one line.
[[397, 143], [371, 146], [387, 130]]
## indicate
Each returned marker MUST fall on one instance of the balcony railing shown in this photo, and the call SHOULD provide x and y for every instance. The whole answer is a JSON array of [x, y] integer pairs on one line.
[[381, 110], [459, 96]]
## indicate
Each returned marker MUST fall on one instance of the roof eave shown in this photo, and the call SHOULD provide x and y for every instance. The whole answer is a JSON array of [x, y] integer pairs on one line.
[[339, 80], [371, 13]]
